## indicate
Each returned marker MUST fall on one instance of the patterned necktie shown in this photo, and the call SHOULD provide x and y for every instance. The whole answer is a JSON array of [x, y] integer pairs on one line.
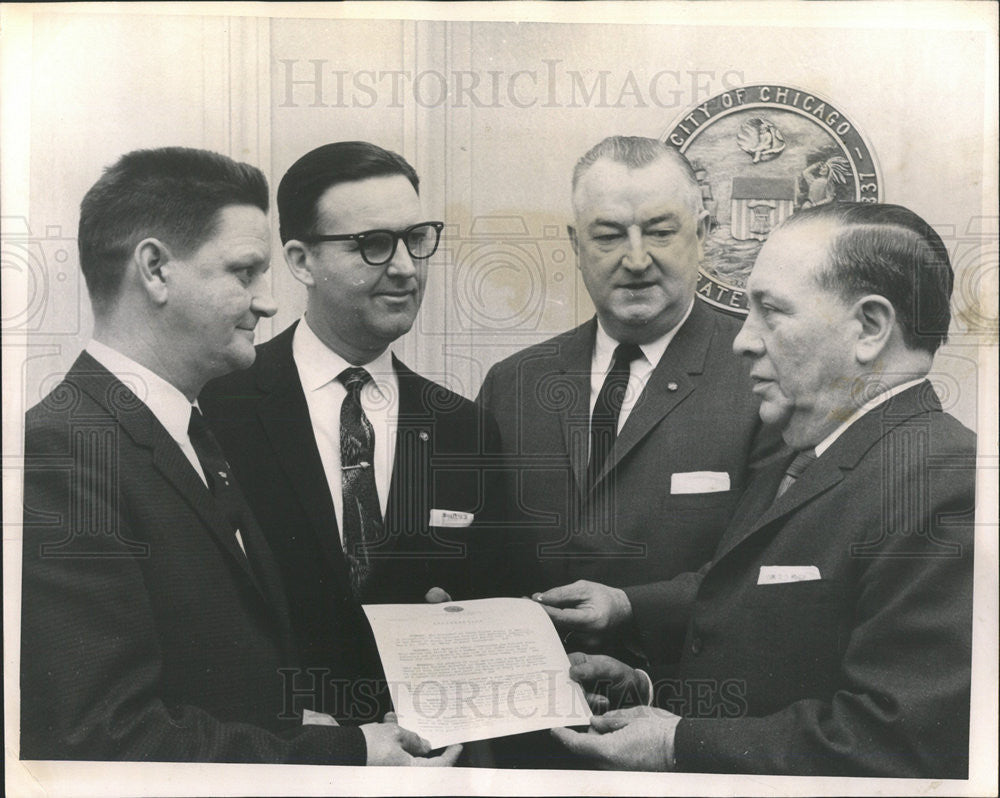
[[217, 473], [799, 464], [362, 514], [608, 408]]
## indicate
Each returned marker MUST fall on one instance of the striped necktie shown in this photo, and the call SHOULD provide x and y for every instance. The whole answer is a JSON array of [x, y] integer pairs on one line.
[[362, 513], [800, 463]]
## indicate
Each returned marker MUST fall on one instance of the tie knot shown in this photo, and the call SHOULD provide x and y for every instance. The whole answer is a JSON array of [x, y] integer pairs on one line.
[[626, 353], [354, 378], [800, 463]]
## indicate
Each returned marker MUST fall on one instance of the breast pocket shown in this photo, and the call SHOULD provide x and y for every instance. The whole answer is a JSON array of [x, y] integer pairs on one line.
[[800, 631], [770, 597], [698, 501]]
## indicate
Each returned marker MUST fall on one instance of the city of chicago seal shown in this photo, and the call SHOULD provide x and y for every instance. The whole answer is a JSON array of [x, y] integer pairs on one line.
[[760, 154]]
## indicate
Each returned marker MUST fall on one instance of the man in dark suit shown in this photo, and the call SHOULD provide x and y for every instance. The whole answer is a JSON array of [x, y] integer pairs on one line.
[[831, 633], [631, 435], [364, 475], [628, 438], [154, 622]]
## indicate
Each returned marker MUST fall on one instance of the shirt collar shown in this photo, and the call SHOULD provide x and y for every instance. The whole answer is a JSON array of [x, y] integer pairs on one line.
[[318, 364], [166, 402], [885, 396], [604, 344]]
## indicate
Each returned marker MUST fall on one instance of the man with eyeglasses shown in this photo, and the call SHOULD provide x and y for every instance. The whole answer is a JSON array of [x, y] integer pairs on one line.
[[362, 473], [154, 624]]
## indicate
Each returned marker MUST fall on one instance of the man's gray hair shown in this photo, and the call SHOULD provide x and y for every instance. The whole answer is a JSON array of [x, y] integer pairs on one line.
[[636, 152], [890, 251]]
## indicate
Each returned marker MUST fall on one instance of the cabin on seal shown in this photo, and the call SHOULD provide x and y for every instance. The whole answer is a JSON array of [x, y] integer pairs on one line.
[[759, 204]]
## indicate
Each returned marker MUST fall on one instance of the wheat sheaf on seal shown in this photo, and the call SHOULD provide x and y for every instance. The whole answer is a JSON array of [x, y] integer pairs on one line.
[[760, 154]]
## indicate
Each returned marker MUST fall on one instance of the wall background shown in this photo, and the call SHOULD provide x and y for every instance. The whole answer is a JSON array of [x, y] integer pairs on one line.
[[493, 115]]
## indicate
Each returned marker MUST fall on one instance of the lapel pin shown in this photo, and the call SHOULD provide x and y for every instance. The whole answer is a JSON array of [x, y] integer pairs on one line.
[[671, 386]]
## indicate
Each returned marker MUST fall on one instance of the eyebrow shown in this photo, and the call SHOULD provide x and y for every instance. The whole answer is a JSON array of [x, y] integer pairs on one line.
[[248, 259], [666, 217]]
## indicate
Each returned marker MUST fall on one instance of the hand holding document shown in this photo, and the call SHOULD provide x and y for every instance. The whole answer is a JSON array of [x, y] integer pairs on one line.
[[472, 670]]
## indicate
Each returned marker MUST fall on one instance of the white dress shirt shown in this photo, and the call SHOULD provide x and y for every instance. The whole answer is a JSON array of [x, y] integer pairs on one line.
[[827, 442], [167, 403], [639, 371], [319, 367]]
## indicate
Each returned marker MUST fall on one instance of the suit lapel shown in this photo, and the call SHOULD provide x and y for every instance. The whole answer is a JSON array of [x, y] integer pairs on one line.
[[574, 415], [670, 383], [138, 422], [284, 415], [265, 570], [756, 499], [409, 486], [760, 510]]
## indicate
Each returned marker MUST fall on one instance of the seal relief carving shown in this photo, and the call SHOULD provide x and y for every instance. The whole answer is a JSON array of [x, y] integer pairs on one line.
[[760, 154]]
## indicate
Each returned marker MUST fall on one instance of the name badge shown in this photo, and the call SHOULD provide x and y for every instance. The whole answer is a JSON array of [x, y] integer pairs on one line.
[[780, 574], [451, 518]]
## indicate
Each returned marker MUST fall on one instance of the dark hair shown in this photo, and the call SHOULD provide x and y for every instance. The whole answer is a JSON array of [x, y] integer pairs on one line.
[[636, 152], [173, 193], [890, 251], [311, 175]]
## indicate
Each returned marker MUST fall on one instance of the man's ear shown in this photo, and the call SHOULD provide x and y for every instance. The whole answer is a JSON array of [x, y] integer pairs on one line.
[[299, 262], [572, 239], [149, 260], [702, 225], [877, 318]]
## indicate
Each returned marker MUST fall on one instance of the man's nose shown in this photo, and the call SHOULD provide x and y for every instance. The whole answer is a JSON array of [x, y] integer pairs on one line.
[[401, 263], [747, 341], [637, 257], [263, 304]]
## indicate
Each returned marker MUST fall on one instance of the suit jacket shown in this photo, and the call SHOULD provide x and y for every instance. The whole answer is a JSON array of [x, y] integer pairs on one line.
[[863, 669], [635, 525], [146, 633], [262, 421]]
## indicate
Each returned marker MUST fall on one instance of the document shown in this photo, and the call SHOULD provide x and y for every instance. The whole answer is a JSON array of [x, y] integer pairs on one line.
[[472, 670]]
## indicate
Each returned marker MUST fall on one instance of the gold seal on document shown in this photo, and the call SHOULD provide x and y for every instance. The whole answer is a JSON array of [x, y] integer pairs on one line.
[[762, 153]]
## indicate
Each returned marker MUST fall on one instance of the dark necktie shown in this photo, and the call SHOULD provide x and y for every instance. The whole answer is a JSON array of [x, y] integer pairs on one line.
[[799, 464], [217, 473], [608, 407], [362, 514]]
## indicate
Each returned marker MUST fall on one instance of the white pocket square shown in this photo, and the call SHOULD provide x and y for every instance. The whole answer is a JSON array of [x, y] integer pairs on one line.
[[780, 574], [452, 518], [312, 718], [699, 482]]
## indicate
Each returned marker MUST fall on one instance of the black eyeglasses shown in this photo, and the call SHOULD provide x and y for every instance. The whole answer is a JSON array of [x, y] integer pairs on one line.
[[378, 246]]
